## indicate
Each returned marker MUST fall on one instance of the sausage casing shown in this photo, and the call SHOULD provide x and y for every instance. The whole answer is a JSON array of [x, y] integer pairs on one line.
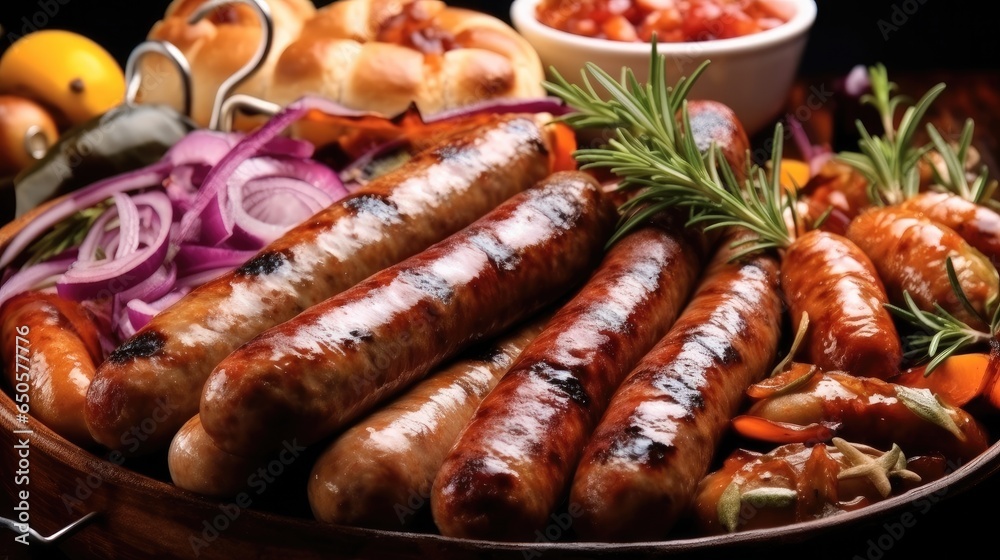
[[378, 470], [831, 279], [164, 366], [656, 441], [309, 376], [512, 466], [910, 251], [53, 346]]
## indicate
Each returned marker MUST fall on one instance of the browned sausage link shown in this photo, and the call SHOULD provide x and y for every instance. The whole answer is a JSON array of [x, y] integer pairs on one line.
[[712, 121], [513, 464], [198, 465], [309, 376], [656, 440], [51, 345], [910, 251], [161, 370], [831, 279], [977, 224], [379, 472]]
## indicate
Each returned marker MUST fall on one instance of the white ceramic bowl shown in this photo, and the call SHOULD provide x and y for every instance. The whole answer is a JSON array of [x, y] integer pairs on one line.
[[752, 74]]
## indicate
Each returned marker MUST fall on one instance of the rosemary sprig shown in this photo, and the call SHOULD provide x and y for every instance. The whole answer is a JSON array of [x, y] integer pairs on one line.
[[650, 152], [940, 334], [954, 157], [66, 234], [889, 162]]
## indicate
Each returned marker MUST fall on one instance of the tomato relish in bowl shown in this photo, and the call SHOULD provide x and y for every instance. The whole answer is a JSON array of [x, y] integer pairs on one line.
[[672, 21]]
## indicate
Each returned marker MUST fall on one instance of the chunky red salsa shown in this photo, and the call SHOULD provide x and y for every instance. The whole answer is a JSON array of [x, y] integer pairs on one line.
[[669, 20]]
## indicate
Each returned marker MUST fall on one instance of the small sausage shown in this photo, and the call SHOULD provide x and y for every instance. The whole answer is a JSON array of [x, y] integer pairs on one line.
[[310, 376], [162, 369], [641, 468], [910, 251], [831, 279], [977, 224], [384, 461], [52, 345], [512, 466]]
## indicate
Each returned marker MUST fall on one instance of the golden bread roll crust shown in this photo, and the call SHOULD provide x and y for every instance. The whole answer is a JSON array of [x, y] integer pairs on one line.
[[384, 55]]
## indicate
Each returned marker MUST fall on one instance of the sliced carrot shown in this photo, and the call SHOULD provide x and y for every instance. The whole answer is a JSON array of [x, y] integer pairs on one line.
[[991, 390], [794, 175], [755, 427], [957, 380], [564, 144]]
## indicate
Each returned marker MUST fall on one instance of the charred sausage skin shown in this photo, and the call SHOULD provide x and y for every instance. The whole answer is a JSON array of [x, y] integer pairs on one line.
[[436, 194], [311, 375], [513, 464], [656, 441]]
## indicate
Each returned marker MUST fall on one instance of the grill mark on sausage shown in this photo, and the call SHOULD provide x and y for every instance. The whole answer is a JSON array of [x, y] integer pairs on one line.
[[376, 205], [501, 255], [263, 264], [429, 283], [563, 381], [144, 345]]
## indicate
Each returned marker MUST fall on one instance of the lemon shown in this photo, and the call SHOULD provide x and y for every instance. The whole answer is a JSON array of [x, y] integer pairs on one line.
[[73, 76]]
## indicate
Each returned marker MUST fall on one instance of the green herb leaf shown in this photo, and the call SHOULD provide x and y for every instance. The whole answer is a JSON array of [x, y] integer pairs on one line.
[[929, 407]]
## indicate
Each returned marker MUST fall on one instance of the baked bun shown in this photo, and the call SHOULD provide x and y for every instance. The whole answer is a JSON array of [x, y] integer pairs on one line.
[[218, 46], [384, 55]]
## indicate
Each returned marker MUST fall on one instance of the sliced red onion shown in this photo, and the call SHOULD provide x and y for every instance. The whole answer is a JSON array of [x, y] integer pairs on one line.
[[191, 259], [156, 286], [84, 198], [296, 189], [104, 278], [32, 277], [196, 279], [140, 312], [218, 178], [552, 105]]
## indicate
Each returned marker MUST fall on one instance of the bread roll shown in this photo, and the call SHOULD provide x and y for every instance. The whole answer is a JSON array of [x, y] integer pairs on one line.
[[384, 55], [217, 47]]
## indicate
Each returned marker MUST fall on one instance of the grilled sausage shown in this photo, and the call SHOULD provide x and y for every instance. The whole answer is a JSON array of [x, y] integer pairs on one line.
[[379, 472], [309, 376], [395, 216], [977, 224], [656, 441], [51, 345], [831, 279], [910, 251], [512, 466]]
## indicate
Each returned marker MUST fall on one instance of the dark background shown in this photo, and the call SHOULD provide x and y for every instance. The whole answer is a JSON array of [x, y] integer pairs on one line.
[[909, 36], [914, 35]]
